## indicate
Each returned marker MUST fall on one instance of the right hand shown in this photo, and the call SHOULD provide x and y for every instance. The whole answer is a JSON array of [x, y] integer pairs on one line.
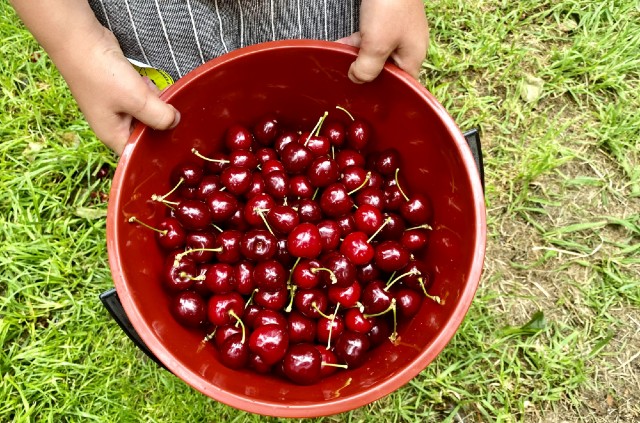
[[111, 94]]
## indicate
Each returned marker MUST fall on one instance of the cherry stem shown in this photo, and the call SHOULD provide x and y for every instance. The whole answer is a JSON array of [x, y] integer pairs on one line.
[[191, 278], [346, 111], [217, 227], [399, 187], [342, 366], [291, 272], [197, 153], [316, 129], [239, 321], [292, 289], [394, 334], [264, 219], [210, 336], [250, 300], [387, 220], [425, 226], [433, 297], [412, 272], [332, 275], [333, 318], [315, 307], [315, 193], [178, 257], [362, 185], [392, 306], [161, 198], [134, 219]]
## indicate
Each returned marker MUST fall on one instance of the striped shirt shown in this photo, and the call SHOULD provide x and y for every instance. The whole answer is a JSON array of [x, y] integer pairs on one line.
[[179, 35]]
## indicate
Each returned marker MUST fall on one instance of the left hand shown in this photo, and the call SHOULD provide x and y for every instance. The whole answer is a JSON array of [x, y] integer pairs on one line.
[[389, 29]]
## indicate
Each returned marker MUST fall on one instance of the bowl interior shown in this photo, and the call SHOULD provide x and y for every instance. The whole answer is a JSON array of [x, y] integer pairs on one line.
[[298, 81]]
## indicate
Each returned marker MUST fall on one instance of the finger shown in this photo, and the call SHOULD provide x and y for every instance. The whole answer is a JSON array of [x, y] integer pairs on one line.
[[156, 113], [368, 64], [409, 61], [352, 40]]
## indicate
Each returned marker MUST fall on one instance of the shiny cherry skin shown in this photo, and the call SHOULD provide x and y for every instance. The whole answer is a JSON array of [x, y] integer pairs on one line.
[[357, 249], [415, 239], [243, 274], [175, 236], [272, 166], [328, 358], [408, 302], [318, 145], [311, 302], [222, 205], [257, 186], [208, 185], [347, 296], [178, 277], [335, 132], [393, 229], [190, 172], [335, 200], [367, 273], [330, 234], [270, 275], [368, 219], [243, 158], [237, 180], [217, 162], [355, 321], [220, 278], [276, 184], [265, 154], [306, 274], [287, 137], [342, 268], [308, 210], [416, 211], [189, 309], [269, 317], [258, 244], [273, 300], [323, 171], [346, 224], [229, 241], [221, 306], [304, 241], [301, 328], [387, 161], [370, 196], [375, 298], [266, 130], [347, 157], [222, 333], [391, 256], [202, 240], [380, 332], [296, 158], [282, 219], [328, 330], [234, 352], [270, 342], [193, 215], [351, 348], [353, 177], [300, 186], [358, 135], [238, 137], [302, 364], [257, 208]]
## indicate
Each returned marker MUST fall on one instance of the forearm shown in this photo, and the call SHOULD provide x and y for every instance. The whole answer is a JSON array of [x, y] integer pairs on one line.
[[66, 29]]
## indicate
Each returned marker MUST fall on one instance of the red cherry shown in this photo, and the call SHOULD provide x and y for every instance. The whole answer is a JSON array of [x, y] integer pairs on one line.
[[415, 239], [216, 162], [342, 269], [328, 330], [347, 297], [189, 172], [178, 276], [329, 361], [234, 352], [222, 307], [285, 138], [311, 303], [391, 256], [375, 298], [203, 242], [387, 162], [265, 154], [193, 214], [302, 364], [258, 244], [208, 185], [416, 211], [273, 300], [308, 210], [335, 200], [380, 332], [353, 177], [351, 348], [188, 308], [408, 302], [270, 275], [222, 333], [301, 328], [367, 273], [243, 158], [368, 219], [257, 186], [370, 196], [282, 219], [238, 137], [296, 158], [174, 237], [334, 131], [358, 134], [323, 171], [357, 249], [229, 241], [272, 166], [269, 317], [347, 157], [270, 342], [300, 186], [304, 241], [237, 180], [276, 183], [305, 275], [330, 234], [256, 209], [355, 321], [220, 278], [222, 206], [243, 274], [266, 130], [317, 144]]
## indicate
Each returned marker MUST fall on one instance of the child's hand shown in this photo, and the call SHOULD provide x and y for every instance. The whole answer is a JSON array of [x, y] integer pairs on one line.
[[395, 29], [111, 94]]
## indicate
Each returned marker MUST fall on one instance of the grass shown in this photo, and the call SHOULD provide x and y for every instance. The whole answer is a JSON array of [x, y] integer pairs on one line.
[[554, 332]]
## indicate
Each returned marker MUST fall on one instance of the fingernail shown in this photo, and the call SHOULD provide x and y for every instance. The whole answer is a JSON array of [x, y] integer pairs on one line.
[[176, 119]]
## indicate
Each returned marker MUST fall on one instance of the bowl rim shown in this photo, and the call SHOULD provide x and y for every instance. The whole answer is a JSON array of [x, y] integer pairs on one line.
[[337, 405]]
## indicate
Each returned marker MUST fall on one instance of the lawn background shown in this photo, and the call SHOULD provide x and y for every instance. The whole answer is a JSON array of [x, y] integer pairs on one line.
[[554, 332]]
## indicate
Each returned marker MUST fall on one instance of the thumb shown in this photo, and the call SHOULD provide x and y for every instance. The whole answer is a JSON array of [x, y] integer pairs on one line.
[[368, 64], [156, 113]]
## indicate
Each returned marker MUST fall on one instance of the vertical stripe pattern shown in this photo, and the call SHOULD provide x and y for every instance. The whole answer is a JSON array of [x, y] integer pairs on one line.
[[177, 36]]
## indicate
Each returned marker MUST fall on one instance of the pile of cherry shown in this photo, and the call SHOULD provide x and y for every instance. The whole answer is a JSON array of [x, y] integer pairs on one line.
[[294, 251]]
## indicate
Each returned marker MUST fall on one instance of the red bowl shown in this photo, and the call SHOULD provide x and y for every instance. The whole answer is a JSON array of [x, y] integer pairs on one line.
[[299, 80]]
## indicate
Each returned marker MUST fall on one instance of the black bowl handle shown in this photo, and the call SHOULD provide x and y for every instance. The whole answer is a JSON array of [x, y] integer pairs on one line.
[[112, 303], [473, 139]]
